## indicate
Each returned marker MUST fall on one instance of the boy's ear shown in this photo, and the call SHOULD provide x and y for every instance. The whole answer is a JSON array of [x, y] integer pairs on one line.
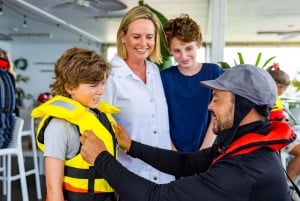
[[199, 43], [68, 89]]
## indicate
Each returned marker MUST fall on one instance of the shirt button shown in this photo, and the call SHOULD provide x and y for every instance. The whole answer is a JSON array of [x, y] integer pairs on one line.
[[154, 132], [154, 178]]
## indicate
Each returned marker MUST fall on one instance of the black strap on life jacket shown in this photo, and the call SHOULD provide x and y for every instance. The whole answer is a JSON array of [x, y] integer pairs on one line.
[[107, 124], [41, 137]]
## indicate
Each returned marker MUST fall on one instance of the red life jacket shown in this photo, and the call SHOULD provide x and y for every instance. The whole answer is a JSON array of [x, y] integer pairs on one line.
[[280, 135], [277, 115]]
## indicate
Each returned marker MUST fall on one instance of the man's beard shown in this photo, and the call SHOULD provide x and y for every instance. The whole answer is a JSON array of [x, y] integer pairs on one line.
[[219, 125], [222, 126], [242, 107]]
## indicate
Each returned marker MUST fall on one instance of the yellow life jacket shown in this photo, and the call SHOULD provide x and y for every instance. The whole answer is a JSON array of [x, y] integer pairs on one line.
[[277, 112], [77, 178], [278, 105]]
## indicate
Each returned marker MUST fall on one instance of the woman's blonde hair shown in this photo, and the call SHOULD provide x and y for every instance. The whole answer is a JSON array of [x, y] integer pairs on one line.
[[78, 65], [139, 12]]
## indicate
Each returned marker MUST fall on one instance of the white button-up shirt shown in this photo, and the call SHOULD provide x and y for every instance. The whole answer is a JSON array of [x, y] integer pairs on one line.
[[144, 113]]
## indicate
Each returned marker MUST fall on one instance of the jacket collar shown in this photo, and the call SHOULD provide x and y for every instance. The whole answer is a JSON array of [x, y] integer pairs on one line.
[[279, 136]]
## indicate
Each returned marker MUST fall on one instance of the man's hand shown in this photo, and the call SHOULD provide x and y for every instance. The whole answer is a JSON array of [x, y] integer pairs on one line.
[[122, 137], [91, 147]]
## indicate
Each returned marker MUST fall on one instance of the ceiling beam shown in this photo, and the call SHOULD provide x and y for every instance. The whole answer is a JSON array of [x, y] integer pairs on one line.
[[60, 21]]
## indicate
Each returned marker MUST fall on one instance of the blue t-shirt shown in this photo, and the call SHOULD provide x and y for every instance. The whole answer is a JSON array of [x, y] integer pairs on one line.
[[187, 105]]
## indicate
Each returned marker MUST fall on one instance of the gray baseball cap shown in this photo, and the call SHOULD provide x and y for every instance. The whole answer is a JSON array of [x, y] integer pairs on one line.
[[248, 81]]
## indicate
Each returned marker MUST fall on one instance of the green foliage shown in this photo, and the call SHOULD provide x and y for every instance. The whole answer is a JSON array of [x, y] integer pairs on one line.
[[167, 62], [21, 78], [295, 83], [241, 60], [224, 65], [21, 64]]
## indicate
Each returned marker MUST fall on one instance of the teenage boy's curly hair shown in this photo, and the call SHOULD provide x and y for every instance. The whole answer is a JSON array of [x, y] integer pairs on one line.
[[184, 28]]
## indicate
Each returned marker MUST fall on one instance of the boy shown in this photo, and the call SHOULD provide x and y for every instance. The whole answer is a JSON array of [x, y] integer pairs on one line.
[[187, 101], [80, 75]]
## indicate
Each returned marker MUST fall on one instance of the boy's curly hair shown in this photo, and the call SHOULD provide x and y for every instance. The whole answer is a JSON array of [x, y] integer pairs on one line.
[[184, 28], [78, 65]]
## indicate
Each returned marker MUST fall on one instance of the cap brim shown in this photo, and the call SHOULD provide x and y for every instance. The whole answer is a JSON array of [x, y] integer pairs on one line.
[[213, 84]]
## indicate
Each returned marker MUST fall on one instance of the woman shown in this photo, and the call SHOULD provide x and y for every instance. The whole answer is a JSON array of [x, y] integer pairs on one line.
[[135, 87]]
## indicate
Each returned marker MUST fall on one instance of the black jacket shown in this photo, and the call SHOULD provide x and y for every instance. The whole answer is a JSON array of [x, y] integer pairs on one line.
[[256, 175]]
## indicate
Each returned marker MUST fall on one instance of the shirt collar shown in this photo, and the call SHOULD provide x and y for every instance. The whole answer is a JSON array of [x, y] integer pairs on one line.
[[120, 67]]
